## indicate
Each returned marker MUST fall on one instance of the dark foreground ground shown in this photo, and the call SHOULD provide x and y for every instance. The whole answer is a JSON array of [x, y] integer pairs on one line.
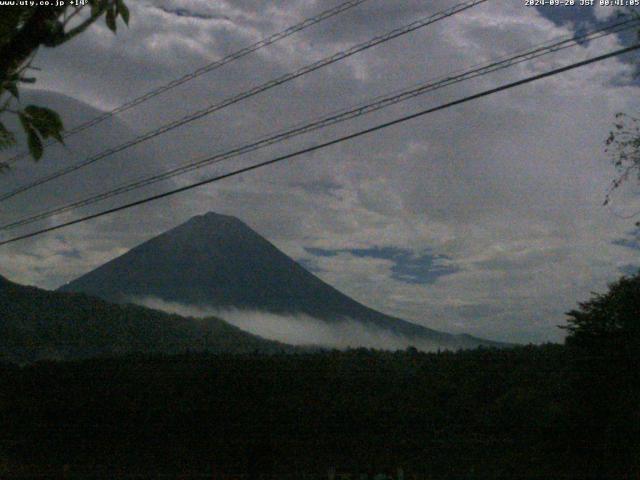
[[529, 412]]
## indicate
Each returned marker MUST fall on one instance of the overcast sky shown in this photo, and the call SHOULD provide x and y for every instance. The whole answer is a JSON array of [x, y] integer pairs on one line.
[[485, 218]]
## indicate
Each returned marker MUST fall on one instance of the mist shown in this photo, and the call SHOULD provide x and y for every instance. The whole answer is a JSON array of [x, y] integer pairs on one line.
[[296, 329]]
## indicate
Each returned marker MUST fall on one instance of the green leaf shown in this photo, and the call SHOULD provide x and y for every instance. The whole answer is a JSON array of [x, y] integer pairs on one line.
[[13, 89], [7, 138], [24, 120], [38, 123], [111, 19], [123, 10], [35, 144], [95, 7], [45, 121]]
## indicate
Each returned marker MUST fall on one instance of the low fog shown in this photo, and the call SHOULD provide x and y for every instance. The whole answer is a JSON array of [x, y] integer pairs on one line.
[[297, 329]]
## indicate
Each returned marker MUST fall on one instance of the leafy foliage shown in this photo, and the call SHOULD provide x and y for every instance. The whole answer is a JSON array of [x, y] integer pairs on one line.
[[40, 123], [7, 138], [604, 354], [609, 321], [23, 29], [623, 147]]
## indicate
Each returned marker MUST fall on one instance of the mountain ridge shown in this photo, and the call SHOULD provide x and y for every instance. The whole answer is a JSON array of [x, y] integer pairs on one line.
[[38, 324], [218, 261]]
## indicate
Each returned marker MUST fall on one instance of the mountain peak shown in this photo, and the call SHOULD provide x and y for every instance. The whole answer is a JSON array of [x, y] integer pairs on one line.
[[211, 235], [211, 221], [213, 217]]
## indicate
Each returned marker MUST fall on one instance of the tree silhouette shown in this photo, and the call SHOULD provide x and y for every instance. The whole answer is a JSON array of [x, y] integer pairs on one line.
[[604, 381], [609, 322]]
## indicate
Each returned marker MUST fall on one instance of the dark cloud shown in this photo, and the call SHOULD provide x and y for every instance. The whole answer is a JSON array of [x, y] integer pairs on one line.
[[407, 267], [321, 186], [573, 15], [183, 12], [74, 253], [629, 269], [631, 240], [322, 252], [581, 18], [310, 264]]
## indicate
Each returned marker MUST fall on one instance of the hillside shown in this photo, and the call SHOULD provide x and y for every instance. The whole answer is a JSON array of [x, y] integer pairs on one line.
[[39, 324], [218, 261]]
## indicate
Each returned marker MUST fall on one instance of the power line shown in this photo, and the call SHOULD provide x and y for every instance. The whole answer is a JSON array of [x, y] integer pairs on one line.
[[250, 93], [327, 144], [308, 22], [378, 104]]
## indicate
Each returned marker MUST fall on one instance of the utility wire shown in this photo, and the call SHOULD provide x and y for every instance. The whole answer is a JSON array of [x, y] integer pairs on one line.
[[327, 144], [250, 93], [378, 104], [308, 22]]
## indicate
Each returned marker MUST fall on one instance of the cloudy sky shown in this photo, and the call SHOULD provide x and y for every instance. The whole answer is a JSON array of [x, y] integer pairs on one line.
[[485, 218]]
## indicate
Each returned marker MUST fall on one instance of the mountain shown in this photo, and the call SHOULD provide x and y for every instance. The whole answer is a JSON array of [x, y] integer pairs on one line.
[[217, 261], [39, 324]]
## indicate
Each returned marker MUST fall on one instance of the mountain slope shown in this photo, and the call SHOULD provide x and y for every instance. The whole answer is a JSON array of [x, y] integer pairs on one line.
[[37, 324], [218, 261]]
